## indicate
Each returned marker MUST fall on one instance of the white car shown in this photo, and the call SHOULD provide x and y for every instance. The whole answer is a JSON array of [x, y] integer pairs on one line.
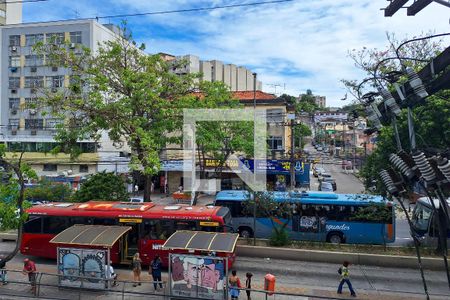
[[136, 200]]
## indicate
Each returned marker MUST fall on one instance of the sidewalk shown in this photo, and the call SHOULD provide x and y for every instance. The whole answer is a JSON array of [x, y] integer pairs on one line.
[[146, 288]]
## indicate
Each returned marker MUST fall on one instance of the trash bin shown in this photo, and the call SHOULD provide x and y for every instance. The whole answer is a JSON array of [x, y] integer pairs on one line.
[[269, 284]]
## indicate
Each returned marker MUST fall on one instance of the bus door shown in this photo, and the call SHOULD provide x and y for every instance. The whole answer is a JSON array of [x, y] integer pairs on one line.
[[129, 243]]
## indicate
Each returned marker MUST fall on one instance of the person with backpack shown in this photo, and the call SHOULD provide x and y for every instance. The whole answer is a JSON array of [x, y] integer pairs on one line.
[[155, 270], [234, 285], [345, 278], [3, 275]]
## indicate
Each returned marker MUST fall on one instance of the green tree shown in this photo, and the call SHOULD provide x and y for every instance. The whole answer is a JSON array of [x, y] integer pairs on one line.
[[291, 100], [430, 118], [134, 97], [12, 194], [219, 140], [48, 191], [102, 186], [267, 207]]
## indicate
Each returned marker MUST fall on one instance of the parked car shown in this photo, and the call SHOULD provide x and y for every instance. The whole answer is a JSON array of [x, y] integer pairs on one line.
[[317, 171], [326, 186], [323, 175], [328, 178], [319, 148]]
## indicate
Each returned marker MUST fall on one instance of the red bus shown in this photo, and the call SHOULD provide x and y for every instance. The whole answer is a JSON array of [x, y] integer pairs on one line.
[[151, 225]]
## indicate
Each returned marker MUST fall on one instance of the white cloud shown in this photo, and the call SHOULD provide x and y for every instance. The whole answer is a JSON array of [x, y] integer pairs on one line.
[[306, 37]]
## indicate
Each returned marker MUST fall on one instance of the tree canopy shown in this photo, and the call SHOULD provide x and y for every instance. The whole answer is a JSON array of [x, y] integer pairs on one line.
[[431, 118], [102, 186], [135, 97]]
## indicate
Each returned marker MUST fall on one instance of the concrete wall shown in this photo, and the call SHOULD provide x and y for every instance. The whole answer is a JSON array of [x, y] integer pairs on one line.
[[393, 261], [241, 79], [233, 77], [205, 69], [13, 12], [217, 70], [227, 75]]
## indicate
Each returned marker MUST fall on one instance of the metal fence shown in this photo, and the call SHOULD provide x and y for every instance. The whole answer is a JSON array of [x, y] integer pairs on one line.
[[47, 287]]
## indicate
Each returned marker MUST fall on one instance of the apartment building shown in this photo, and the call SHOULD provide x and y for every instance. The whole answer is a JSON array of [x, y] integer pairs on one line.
[[238, 78], [24, 73]]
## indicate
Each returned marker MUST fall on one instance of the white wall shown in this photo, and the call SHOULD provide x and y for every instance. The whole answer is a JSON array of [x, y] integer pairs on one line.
[[13, 12]]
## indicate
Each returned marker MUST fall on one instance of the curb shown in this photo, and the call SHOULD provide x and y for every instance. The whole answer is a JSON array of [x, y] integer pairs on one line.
[[393, 261]]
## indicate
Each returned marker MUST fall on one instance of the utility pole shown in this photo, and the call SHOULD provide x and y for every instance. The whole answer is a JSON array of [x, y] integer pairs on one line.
[[254, 158], [354, 145], [292, 155]]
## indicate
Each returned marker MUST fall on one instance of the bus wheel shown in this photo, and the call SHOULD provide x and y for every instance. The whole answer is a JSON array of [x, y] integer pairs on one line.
[[335, 238], [245, 232]]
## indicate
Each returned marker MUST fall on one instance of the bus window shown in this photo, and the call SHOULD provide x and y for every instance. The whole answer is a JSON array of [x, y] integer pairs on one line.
[[185, 225], [79, 220], [149, 230], [104, 221], [236, 207], [54, 224], [33, 225], [163, 229], [421, 217]]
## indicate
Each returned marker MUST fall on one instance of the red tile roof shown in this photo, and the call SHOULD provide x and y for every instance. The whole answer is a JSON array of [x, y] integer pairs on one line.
[[248, 95]]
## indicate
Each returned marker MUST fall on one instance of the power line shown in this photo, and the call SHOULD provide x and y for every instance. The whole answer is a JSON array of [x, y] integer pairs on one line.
[[23, 1], [193, 9]]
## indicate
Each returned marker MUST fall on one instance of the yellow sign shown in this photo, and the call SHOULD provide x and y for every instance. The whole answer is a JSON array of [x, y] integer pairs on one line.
[[209, 223], [215, 163], [130, 220]]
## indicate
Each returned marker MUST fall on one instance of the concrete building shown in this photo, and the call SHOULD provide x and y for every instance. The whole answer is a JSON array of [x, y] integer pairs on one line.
[[24, 74], [237, 78], [320, 101], [10, 13]]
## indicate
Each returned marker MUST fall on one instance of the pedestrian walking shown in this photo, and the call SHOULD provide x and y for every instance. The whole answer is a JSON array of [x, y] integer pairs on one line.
[[155, 271], [29, 268], [234, 285], [3, 275], [110, 275], [345, 278], [248, 284], [137, 268]]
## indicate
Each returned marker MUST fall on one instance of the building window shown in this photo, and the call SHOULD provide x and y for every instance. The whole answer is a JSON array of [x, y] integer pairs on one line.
[[55, 81], [52, 124], [14, 40], [2, 13], [84, 168], [14, 82], [275, 143], [34, 60], [34, 124], [55, 38], [274, 116], [50, 167], [34, 81], [30, 103], [75, 37], [32, 39], [13, 124], [14, 61], [14, 103]]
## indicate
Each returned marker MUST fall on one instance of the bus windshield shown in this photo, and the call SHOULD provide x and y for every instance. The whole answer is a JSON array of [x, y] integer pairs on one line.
[[421, 217]]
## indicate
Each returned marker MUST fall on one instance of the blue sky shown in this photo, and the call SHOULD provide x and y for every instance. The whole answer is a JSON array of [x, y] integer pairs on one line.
[[297, 45]]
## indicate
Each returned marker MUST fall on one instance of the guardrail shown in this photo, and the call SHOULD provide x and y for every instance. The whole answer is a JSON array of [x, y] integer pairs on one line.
[[47, 287]]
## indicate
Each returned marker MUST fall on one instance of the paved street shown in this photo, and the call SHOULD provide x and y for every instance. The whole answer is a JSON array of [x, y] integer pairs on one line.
[[297, 277]]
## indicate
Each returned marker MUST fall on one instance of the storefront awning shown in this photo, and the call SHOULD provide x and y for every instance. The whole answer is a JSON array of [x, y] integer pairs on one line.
[[204, 241], [90, 235]]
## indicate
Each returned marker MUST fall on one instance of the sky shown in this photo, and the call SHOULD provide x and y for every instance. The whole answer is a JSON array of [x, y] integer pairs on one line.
[[292, 46]]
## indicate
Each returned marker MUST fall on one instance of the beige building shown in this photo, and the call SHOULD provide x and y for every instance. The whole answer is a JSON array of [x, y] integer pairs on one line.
[[10, 13]]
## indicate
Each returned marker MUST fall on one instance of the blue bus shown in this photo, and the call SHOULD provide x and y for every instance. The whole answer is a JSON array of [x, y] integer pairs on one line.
[[319, 216]]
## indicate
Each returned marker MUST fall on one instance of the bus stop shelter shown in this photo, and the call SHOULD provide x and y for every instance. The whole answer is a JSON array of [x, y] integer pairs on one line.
[[199, 276], [83, 254]]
